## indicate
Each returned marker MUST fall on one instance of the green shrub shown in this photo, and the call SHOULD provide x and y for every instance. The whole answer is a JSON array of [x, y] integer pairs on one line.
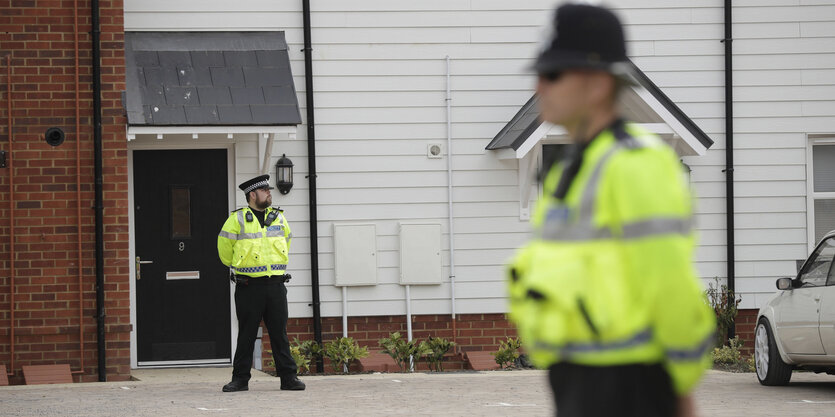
[[302, 362], [308, 348], [508, 352], [343, 352], [724, 303], [728, 354], [437, 347], [402, 350], [729, 357], [304, 353]]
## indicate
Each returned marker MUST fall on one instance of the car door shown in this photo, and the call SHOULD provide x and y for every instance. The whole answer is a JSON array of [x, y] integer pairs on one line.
[[798, 322], [827, 311]]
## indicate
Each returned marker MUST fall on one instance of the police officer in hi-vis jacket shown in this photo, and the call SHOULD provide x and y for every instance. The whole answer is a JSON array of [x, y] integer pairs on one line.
[[255, 243], [605, 295]]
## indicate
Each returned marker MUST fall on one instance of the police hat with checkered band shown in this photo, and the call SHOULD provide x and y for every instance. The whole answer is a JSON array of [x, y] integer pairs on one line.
[[261, 181]]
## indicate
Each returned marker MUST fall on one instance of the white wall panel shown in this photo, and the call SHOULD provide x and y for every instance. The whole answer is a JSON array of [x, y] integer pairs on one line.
[[355, 253], [420, 254]]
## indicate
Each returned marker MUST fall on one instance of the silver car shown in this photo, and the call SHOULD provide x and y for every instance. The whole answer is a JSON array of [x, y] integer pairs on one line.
[[796, 328]]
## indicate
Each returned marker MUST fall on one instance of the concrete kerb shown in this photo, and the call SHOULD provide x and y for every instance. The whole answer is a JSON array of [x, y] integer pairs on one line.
[[222, 375]]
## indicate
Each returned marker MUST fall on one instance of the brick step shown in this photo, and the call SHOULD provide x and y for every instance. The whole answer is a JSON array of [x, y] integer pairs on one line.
[[481, 360], [377, 361], [47, 374], [4, 378]]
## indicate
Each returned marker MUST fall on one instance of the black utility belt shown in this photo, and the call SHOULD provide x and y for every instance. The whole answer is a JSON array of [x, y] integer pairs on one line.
[[243, 279]]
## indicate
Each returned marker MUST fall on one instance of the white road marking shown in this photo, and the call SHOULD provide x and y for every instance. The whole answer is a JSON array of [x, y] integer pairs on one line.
[[811, 402], [509, 405]]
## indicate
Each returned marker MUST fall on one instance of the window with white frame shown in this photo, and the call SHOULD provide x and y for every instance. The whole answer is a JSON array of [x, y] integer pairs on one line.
[[822, 197]]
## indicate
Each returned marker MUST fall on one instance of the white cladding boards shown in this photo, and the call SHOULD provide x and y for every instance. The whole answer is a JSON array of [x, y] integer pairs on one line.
[[420, 254], [380, 98], [355, 253]]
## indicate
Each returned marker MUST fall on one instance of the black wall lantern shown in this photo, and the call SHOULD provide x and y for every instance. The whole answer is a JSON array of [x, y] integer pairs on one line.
[[284, 174]]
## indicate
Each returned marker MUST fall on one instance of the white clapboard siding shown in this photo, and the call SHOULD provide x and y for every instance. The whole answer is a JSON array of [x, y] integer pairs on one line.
[[380, 81]]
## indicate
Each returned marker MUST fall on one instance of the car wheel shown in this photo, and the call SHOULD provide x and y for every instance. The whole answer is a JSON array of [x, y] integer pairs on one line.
[[771, 370]]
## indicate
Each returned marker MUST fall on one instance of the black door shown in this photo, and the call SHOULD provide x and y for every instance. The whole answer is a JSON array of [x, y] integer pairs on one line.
[[182, 289]]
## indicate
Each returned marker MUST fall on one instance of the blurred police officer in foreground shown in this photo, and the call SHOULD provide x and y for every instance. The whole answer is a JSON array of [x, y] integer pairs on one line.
[[605, 295], [255, 243]]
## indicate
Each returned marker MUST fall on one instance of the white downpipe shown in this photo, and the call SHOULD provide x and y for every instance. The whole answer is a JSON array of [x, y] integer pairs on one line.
[[268, 152], [449, 189], [344, 311], [345, 319], [409, 324]]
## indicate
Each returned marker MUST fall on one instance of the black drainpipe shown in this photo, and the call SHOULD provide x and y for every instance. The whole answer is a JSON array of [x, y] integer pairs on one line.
[[311, 177], [729, 154], [94, 6]]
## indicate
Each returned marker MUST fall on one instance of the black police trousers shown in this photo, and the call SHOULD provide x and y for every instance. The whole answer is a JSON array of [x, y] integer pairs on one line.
[[624, 391], [255, 299]]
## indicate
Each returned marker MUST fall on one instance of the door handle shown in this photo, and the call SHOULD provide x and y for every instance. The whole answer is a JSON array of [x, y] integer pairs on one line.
[[139, 263]]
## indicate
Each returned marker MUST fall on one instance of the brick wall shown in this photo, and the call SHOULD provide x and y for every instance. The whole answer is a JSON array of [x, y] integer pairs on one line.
[[39, 35], [475, 332], [746, 324]]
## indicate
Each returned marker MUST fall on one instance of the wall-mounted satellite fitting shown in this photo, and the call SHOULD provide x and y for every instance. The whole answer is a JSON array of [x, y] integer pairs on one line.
[[54, 136]]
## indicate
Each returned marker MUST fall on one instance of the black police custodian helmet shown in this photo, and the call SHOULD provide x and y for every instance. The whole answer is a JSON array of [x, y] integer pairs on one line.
[[585, 37], [260, 181]]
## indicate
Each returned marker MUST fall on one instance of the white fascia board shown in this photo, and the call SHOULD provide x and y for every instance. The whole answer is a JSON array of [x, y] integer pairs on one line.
[[132, 131], [505, 153], [545, 129], [692, 143], [660, 129]]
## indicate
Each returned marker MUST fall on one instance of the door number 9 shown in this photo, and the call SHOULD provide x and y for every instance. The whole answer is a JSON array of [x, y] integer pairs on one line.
[[182, 246]]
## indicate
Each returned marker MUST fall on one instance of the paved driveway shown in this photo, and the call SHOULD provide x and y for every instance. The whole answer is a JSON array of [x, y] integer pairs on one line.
[[728, 394], [196, 392]]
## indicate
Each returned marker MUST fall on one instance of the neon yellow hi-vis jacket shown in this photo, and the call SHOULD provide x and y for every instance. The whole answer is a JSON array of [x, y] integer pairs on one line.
[[607, 278], [252, 250]]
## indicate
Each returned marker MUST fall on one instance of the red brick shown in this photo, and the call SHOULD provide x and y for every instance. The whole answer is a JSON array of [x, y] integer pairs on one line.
[[42, 45]]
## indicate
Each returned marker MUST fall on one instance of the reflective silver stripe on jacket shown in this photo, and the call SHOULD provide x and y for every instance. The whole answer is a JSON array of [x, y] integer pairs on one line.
[[582, 228], [241, 220], [695, 353], [240, 236], [657, 226], [228, 235], [573, 232], [569, 349]]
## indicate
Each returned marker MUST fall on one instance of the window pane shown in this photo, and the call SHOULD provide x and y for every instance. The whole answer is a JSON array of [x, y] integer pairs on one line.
[[823, 167], [817, 269], [551, 154], [824, 218], [180, 212]]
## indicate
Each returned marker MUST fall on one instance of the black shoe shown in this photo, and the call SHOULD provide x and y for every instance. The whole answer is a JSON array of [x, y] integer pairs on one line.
[[291, 383], [236, 385]]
